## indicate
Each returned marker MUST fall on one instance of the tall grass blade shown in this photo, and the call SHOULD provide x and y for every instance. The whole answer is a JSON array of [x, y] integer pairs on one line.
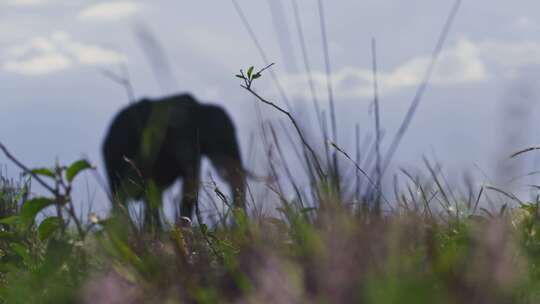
[[422, 88]]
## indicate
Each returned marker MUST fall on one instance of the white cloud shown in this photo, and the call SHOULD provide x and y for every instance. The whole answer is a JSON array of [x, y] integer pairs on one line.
[[45, 55], [110, 10], [39, 65], [463, 63], [87, 54]]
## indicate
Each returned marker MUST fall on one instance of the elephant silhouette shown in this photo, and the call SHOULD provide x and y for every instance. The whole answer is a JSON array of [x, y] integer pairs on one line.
[[156, 142]]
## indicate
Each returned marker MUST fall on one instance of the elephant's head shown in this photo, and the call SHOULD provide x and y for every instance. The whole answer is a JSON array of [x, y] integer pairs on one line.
[[217, 140]]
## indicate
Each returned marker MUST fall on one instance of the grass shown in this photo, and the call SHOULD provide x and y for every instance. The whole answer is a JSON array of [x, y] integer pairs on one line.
[[342, 239], [430, 243], [336, 254]]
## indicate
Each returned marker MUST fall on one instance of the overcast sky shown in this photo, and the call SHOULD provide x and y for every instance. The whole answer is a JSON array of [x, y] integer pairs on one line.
[[57, 104]]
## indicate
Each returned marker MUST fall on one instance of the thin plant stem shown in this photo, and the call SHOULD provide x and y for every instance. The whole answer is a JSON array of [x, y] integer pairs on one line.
[[319, 169], [422, 88], [262, 53], [377, 125], [330, 91], [370, 180], [307, 65]]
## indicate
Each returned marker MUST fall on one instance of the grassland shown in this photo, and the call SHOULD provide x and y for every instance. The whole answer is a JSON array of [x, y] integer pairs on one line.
[[426, 243]]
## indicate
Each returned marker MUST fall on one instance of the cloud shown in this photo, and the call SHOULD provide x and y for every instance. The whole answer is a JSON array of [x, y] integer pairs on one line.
[[45, 55], [466, 62], [27, 2], [110, 10], [87, 54], [38, 65]]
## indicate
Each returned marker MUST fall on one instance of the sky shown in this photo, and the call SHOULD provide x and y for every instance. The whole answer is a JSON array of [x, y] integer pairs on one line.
[[480, 106]]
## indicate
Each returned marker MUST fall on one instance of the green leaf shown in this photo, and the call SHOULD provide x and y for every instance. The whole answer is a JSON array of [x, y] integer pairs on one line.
[[204, 229], [22, 251], [57, 254], [250, 71], [74, 169], [239, 76], [256, 76], [43, 172], [10, 220], [48, 227], [4, 235], [32, 207], [307, 210]]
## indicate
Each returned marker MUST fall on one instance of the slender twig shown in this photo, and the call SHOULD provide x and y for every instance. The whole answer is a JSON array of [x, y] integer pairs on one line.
[[26, 170], [250, 78], [262, 53], [296, 127]]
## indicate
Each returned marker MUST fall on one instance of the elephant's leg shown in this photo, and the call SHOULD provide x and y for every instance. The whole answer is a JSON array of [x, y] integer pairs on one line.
[[119, 200], [190, 192], [115, 195], [153, 205], [119, 208], [152, 218]]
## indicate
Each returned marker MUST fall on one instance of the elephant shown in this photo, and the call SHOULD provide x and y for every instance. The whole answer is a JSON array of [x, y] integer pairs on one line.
[[158, 141]]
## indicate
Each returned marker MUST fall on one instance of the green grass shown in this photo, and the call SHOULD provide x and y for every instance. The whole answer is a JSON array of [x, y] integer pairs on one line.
[[429, 243], [331, 254]]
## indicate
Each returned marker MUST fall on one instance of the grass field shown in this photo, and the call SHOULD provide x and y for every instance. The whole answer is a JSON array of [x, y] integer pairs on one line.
[[341, 240], [421, 251]]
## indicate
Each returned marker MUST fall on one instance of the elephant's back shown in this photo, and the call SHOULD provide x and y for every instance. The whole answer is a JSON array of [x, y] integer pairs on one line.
[[147, 115], [136, 115]]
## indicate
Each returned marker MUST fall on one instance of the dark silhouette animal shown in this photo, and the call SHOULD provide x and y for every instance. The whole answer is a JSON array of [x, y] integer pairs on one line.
[[152, 143]]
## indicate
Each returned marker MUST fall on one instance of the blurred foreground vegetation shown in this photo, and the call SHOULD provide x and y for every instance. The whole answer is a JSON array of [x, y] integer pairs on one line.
[[341, 240], [336, 253]]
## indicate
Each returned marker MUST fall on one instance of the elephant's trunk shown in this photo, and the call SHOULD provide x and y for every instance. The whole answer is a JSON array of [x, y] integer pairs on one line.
[[233, 172], [237, 182]]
